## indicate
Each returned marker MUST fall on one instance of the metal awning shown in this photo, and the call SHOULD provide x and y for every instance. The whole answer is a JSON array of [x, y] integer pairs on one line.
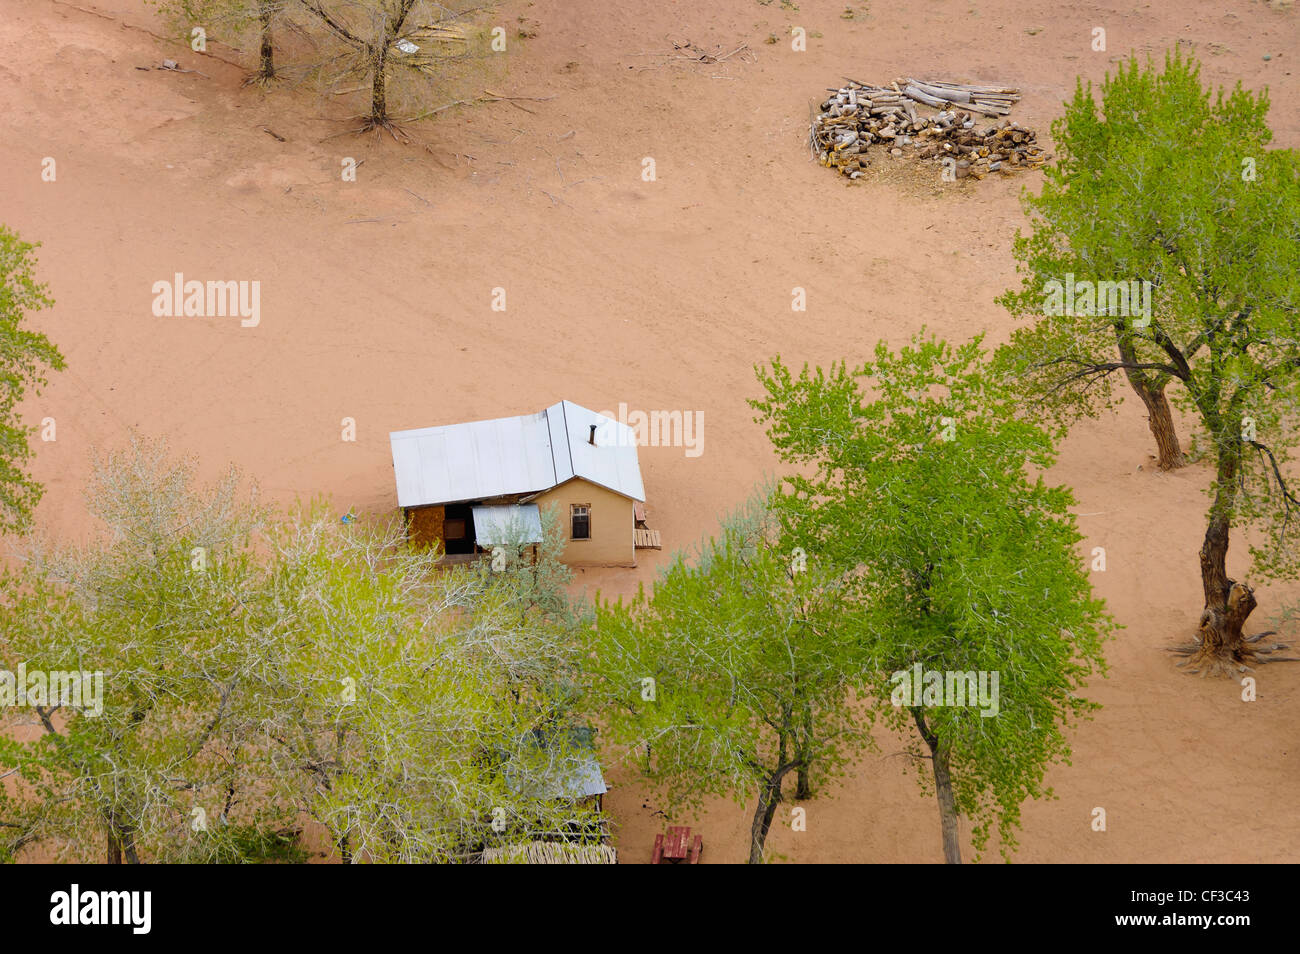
[[548, 766], [511, 524]]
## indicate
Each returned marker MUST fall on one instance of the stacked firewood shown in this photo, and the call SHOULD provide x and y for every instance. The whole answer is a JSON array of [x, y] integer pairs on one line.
[[932, 120]]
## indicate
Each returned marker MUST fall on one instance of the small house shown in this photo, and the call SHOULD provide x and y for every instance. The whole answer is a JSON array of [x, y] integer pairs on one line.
[[469, 487]]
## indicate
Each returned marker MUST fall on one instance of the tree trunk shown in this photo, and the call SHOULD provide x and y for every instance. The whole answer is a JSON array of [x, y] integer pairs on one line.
[[1227, 602], [378, 92], [267, 70], [1160, 417], [803, 790], [768, 799], [121, 847], [128, 849], [943, 789]]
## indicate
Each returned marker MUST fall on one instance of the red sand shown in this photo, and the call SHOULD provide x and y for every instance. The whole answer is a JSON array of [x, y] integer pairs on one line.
[[663, 295]]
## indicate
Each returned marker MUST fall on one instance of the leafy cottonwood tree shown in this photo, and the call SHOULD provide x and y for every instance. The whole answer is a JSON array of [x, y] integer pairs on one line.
[[957, 561], [23, 356], [157, 612], [750, 666], [406, 697], [257, 669], [1167, 186]]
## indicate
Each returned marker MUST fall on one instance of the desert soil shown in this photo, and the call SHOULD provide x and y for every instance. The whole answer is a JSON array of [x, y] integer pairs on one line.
[[376, 302]]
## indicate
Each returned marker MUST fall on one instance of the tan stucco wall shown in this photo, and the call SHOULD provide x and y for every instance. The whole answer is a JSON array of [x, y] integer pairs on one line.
[[611, 541]]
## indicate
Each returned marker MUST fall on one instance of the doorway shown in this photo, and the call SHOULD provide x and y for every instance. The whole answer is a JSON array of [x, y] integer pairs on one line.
[[458, 529]]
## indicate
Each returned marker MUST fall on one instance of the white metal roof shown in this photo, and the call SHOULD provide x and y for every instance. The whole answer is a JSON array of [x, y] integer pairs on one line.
[[544, 769], [511, 524], [611, 461], [480, 460], [574, 778]]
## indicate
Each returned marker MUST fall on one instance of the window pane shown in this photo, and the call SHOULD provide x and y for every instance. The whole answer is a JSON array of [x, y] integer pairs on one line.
[[581, 529]]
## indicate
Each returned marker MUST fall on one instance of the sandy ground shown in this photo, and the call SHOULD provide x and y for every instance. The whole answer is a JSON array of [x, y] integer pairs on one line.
[[376, 306]]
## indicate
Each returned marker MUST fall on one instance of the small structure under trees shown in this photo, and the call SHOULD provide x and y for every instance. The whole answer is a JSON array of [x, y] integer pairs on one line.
[[735, 674]]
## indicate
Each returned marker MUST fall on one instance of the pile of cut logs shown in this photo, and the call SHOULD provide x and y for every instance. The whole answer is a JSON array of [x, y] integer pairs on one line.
[[857, 115]]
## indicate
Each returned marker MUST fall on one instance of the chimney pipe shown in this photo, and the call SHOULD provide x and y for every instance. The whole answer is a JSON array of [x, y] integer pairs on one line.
[[592, 439]]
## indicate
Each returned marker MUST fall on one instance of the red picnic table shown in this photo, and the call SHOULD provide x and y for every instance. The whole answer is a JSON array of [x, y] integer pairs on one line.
[[676, 847]]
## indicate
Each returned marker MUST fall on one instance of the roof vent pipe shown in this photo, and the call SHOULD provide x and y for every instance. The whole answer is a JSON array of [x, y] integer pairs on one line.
[[592, 439]]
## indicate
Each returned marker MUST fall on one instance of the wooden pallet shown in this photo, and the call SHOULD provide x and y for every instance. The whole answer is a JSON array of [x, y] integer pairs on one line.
[[646, 539]]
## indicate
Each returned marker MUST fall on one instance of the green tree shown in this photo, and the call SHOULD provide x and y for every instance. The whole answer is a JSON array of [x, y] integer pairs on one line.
[[406, 697], [153, 618], [1165, 185], [536, 576], [24, 354], [912, 479], [736, 672], [244, 670]]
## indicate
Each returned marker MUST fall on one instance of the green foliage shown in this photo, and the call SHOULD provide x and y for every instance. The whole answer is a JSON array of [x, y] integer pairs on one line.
[[752, 668], [912, 479], [538, 579], [1126, 200], [255, 844], [24, 354], [400, 727], [258, 669], [1163, 182], [169, 643]]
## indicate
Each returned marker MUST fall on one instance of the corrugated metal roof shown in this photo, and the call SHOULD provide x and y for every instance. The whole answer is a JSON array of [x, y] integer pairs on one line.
[[480, 460], [612, 461], [553, 768], [511, 524]]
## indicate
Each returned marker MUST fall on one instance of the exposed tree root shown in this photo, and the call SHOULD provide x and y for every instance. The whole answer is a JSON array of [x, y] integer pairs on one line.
[[379, 126], [368, 124], [1203, 661], [260, 80]]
